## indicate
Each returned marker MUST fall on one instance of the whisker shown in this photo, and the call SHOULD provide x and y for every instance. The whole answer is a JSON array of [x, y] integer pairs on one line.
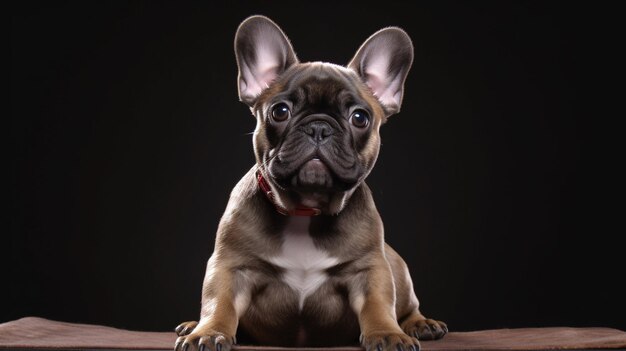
[[265, 162]]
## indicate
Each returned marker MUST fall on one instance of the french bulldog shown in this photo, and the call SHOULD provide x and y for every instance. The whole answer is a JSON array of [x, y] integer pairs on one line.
[[300, 257]]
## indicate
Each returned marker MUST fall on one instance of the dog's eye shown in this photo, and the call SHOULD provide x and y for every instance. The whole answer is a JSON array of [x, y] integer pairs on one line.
[[280, 112], [360, 118]]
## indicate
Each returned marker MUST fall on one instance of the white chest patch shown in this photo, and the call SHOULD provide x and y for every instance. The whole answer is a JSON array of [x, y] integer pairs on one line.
[[304, 264]]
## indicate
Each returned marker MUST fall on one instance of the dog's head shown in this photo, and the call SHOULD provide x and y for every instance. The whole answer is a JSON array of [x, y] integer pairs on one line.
[[317, 133]]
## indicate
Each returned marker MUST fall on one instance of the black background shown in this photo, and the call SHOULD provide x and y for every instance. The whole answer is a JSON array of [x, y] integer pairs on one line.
[[126, 137]]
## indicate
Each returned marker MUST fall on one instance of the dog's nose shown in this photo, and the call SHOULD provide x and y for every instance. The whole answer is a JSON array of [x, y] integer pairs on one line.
[[318, 131]]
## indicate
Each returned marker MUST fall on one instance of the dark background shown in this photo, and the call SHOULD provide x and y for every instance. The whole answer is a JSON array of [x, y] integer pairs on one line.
[[126, 138]]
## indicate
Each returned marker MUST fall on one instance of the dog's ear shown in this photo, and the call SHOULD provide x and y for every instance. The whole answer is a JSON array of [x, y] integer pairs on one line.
[[383, 63], [263, 52]]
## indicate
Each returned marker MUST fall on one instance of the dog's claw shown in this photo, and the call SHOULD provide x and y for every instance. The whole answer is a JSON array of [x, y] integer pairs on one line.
[[437, 329], [444, 326], [426, 329], [389, 341], [203, 340], [425, 333], [185, 328]]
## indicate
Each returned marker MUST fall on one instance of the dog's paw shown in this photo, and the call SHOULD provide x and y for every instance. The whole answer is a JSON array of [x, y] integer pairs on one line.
[[426, 329], [185, 328], [204, 339], [389, 341]]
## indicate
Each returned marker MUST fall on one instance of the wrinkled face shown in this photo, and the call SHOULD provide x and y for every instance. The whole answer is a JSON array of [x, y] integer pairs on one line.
[[317, 133], [317, 123]]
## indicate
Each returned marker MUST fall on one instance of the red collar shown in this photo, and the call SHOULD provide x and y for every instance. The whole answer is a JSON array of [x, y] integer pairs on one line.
[[298, 211]]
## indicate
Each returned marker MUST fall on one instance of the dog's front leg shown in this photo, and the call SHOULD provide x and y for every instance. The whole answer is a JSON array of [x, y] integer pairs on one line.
[[372, 296], [225, 296]]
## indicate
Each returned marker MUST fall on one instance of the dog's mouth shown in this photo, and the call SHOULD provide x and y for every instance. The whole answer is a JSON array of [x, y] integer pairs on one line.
[[314, 175], [314, 183]]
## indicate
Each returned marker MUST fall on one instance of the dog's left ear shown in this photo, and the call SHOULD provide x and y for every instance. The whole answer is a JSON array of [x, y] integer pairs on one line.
[[383, 63]]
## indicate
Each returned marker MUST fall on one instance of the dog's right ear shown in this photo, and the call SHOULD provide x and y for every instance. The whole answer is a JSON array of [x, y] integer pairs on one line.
[[263, 52]]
